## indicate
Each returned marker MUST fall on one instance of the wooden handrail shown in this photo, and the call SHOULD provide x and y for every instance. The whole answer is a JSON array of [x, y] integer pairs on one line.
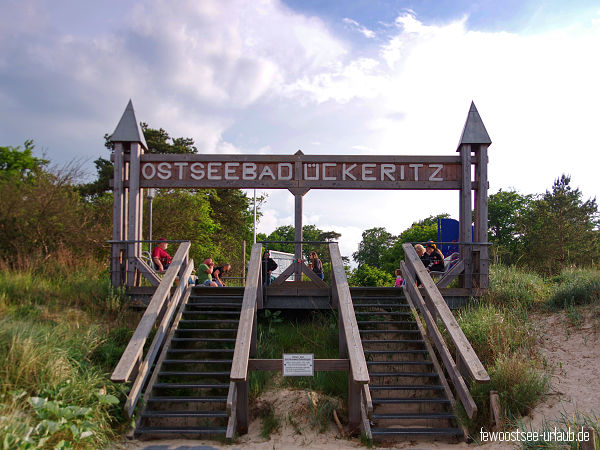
[[356, 355], [463, 347], [132, 355], [239, 366]]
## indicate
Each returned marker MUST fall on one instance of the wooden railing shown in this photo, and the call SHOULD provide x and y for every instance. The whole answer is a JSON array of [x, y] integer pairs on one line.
[[467, 366], [133, 365], [350, 344], [245, 346]]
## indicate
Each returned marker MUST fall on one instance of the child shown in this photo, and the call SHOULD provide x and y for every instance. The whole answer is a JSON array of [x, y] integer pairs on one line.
[[399, 280]]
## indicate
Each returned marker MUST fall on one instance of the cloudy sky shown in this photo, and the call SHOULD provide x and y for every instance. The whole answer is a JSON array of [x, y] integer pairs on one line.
[[345, 77]]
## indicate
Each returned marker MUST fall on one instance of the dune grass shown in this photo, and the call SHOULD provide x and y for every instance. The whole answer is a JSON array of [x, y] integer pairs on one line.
[[62, 330]]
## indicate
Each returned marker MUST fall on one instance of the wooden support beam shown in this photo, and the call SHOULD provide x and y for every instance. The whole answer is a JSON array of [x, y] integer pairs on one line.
[[283, 275], [354, 403], [242, 406], [231, 411], [298, 235], [465, 215], [451, 274], [147, 272], [313, 276], [118, 212], [481, 216]]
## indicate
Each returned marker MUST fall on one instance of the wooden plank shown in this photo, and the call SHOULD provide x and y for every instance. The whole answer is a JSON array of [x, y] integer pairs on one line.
[[399, 159], [159, 337], [239, 367], [134, 210], [117, 234], [282, 276], [360, 374], [462, 344], [495, 411], [231, 411], [320, 365], [459, 384], [242, 406], [451, 274], [465, 215], [481, 222], [354, 403], [368, 401], [366, 425], [313, 276], [297, 237], [148, 273], [133, 351], [163, 354]]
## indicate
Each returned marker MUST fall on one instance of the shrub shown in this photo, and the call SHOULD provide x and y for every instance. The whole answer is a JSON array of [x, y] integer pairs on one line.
[[366, 275]]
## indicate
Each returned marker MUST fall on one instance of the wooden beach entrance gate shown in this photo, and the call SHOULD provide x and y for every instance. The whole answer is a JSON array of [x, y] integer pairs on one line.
[[402, 378]]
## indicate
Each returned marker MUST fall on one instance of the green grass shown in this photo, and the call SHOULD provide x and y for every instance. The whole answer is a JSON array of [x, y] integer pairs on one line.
[[61, 333], [575, 287], [270, 422], [568, 426], [515, 288]]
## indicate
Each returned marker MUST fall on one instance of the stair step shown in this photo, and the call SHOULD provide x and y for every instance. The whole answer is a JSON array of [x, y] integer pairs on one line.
[[391, 352], [207, 330], [215, 297], [203, 340], [161, 399], [181, 430], [381, 305], [391, 331], [404, 374], [416, 431], [375, 297], [382, 313], [384, 401], [185, 321], [214, 313], [184, 414], [194, 374], [197, 361], [190, 386], [386, 322], [393, 341], [399, 363], [200, 350], [214, 305], [404, 387], [415, 416]]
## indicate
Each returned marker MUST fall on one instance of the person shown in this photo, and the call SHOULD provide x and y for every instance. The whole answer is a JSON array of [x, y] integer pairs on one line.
[[422, 254], [218, 273], [160, 257], [436, 257], [316, 265], [268, 266], [399, 279], [205, 270]]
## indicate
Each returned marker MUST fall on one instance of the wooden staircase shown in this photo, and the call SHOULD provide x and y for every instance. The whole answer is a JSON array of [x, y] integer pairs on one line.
[[410, 395], [187, 393]]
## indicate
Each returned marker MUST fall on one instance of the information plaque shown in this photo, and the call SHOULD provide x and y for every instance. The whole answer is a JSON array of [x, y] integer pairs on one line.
[[298, 365]]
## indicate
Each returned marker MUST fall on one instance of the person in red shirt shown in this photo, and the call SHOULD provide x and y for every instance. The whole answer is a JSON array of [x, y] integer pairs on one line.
[[160, 257]]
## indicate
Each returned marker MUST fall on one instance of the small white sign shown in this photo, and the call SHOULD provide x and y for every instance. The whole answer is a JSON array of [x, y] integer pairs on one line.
[[298, 365]]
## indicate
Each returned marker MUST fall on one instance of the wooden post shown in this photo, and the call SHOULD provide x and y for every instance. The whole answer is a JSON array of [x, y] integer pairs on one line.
[[242, 406], [465, 216], [244, 262], [298, 236], [353, 403], [118, 212], [481, 215], [590, 443], [134, 210]]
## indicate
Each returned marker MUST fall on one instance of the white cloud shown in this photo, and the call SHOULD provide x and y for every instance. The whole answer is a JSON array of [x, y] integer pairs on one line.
[[369, 34]]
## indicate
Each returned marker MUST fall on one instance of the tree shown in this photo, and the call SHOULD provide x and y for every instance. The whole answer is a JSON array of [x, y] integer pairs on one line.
[[421, 231], [560, 229], [504, 210], [15, 162], [375, 242], [366, 275], [309, 233]]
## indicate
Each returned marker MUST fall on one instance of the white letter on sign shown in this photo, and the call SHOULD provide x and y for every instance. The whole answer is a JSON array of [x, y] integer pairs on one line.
[[248, 171], [280, 168], [416, 167], [230, 171], [197, 171], [181, 165], [387, 170], [266, 172], [213, 168], [367, 169], [325, 166], [316, 168], [346, 172], [438, 168], [146, 175], [164, 171]]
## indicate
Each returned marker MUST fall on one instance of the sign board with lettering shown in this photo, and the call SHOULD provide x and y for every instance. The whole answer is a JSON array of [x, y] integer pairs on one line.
[[298, 365], [300, 171]]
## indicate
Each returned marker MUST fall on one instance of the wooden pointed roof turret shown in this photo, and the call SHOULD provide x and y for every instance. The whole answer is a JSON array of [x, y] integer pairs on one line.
[[128, 129], [474, 131]]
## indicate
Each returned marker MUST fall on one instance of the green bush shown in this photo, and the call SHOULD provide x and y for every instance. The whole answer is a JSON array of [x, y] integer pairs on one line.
[[576, 287], [515, 288], [366, 275]]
